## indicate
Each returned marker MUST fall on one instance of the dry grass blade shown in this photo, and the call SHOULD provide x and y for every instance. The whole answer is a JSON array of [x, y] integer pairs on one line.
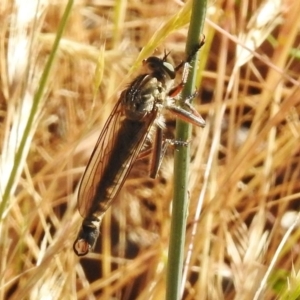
[[20, 97], [259, 27]]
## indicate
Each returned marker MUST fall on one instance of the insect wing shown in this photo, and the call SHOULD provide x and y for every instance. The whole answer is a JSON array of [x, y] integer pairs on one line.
[[98, 161], [101, 159]]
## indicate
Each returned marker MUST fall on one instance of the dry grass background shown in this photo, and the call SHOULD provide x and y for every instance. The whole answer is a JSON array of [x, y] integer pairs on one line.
[[242, 236]]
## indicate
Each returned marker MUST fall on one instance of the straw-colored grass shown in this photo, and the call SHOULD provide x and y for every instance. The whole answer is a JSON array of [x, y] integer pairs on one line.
[[242, 238]]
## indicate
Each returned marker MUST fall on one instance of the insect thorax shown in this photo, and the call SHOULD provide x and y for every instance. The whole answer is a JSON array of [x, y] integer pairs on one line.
[[144, 96]]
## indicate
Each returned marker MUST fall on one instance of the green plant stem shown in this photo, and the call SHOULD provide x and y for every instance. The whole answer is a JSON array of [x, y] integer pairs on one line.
[[34, 110], [181, 164]]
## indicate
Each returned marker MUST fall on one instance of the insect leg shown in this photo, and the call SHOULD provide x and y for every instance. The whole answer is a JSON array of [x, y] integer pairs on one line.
[[159, 151], [190, 114], [178, 88], [192, 54]]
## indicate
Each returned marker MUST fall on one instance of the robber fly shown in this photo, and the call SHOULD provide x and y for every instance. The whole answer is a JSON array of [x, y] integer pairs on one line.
[[124, 136]]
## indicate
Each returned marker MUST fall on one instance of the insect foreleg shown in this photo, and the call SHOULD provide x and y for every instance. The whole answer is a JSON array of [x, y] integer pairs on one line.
[[192, 54]]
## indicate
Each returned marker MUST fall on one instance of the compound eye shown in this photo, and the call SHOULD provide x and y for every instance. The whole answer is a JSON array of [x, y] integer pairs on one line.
[[169, 69], [156, 64]]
